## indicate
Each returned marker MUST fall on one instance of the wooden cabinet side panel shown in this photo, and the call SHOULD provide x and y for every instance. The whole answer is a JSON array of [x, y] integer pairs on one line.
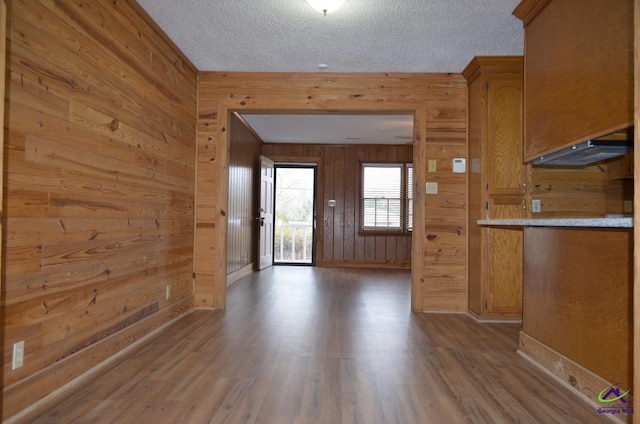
[[578, 73], [577, 296], [476, 209]]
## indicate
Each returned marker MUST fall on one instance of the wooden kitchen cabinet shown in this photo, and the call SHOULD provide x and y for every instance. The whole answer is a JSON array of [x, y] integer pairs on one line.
[[578, 71], [496, 185], [578, 305]]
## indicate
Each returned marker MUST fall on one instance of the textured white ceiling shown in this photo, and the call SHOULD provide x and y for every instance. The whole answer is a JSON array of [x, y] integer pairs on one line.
[[332, 129], [362, 36]]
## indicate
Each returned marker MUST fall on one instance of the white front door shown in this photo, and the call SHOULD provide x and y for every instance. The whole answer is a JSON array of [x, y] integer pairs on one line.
[[265, 218]]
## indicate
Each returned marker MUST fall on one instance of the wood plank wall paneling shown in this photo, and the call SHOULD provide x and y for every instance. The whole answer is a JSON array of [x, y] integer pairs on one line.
[[244, 156], [100, 183], [578, 192], [636, 211], [3, 63], [342, 244], [438, 102]]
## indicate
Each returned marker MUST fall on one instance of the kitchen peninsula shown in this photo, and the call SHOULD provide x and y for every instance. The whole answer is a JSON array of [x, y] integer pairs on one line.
[[577, 299]]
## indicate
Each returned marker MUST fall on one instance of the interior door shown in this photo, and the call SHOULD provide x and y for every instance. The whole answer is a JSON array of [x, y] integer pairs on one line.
[[265, 242]]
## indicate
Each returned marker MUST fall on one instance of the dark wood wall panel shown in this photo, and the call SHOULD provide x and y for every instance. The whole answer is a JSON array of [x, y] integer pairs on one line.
[[342, 244], [244, 157], [99, 188]]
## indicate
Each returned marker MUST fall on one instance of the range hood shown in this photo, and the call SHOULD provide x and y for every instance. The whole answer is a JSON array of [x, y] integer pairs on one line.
[[591, 151]]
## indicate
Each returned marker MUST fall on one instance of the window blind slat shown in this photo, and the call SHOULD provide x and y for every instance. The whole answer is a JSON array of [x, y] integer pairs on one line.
[[383, 203], [409, 205]]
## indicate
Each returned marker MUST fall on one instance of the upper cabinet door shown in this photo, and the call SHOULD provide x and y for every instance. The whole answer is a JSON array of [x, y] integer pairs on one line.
[[578, 71]]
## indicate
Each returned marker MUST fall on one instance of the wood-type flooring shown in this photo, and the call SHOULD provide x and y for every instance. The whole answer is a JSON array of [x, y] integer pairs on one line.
[[304, 345]]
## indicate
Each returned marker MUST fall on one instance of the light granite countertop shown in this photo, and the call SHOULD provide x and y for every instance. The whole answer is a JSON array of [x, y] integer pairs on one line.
[[607, 222]]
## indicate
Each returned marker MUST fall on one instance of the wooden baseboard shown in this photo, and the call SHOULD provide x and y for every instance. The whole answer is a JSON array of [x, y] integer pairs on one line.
[[240, 273], [494, 319], [570, 374], [41, 388], [436, 312], [363, 264]]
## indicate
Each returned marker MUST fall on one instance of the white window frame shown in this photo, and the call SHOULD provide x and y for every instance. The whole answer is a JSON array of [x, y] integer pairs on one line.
[[405, 200]]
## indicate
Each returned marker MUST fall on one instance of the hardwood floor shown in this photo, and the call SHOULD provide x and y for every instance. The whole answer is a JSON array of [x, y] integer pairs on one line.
[[310, 345]]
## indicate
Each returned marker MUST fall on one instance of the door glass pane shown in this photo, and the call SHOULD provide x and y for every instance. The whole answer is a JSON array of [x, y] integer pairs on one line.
[[294, 215]]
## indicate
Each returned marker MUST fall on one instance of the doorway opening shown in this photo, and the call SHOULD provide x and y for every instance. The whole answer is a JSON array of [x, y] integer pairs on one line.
[[295, 214]]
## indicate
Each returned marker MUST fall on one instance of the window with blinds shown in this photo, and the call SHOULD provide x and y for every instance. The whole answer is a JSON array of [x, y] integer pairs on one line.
[[387, 197], [409, 197]]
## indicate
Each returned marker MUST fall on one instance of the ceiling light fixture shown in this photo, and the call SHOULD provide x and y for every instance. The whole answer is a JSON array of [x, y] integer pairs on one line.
[[325, 6]]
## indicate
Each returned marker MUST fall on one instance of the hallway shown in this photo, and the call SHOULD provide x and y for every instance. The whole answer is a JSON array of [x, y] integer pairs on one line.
[[321, 345]]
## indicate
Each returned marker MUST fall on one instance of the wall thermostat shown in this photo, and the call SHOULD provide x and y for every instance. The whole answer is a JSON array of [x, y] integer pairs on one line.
[[459, 165]]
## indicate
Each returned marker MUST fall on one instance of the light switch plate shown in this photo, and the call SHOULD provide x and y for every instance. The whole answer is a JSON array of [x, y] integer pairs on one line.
[[432, 165], [431, 188]]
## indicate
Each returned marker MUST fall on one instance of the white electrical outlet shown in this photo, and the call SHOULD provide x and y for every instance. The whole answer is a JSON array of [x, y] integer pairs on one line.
[[168, 292], [536, 206], [18, 355]]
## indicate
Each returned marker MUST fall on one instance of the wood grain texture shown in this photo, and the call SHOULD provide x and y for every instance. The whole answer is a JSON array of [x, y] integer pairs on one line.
[[475, 201], [578, 191], [342, 242], [527, 10], [244, 159], [100, 181], [322, 345], [636, 213], [570, 373], [3, 256], [497, 185], [577, 297], [438, 103], [579, 73]]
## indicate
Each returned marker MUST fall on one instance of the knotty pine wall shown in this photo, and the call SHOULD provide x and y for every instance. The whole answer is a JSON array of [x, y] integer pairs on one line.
[[99, 188], [338, 228], [438, 103], [578, 192], [244, 162]]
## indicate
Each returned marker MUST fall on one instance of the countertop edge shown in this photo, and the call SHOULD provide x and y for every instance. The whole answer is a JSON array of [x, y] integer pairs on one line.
[[620, 222]]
